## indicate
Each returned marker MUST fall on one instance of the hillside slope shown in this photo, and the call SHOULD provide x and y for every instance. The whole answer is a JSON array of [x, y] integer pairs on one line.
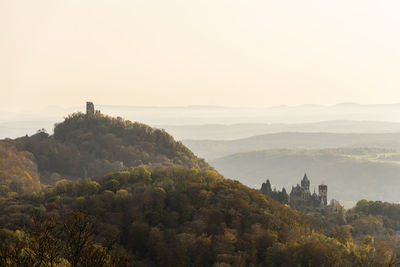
[[18, 171], [85, 146], [180, 217]]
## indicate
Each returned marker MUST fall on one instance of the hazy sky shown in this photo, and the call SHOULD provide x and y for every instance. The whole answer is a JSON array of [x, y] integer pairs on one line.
[[198, 52]]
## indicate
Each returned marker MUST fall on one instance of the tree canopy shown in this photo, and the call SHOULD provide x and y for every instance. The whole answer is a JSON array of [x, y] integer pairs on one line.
[[94, 145]]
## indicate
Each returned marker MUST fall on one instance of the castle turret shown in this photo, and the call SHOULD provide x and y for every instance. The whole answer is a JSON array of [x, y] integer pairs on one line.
[[305, 183], [323, 193]]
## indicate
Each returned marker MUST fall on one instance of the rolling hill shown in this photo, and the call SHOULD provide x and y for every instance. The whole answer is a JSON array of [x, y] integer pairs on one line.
[[166, 207], [246, 130], [213, 149], [86, 146], [170, 217], [351, 174]]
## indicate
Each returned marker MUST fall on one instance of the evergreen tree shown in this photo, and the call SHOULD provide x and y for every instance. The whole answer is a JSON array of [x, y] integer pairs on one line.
[[266, 188]]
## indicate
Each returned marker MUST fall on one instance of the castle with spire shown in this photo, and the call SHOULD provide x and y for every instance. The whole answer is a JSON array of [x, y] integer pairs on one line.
[[301, 197]]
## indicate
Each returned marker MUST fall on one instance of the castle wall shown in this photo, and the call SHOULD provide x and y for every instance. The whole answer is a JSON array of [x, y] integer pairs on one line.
[[89, 108]]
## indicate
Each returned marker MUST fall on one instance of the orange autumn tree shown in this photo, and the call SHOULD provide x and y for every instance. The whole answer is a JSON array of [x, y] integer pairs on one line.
[[18, 171]]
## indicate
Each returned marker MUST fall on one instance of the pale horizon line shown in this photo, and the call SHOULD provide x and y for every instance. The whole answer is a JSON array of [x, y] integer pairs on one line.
[[39, 109]]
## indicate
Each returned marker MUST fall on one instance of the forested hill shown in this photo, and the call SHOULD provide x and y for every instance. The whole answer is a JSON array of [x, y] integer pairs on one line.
[[164, 207], [86, 146], [169, 217]]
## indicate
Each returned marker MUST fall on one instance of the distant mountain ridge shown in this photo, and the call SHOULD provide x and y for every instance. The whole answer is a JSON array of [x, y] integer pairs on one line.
[[200, 115], [246, 130], [23, 126], [350, 173], [213, 149]]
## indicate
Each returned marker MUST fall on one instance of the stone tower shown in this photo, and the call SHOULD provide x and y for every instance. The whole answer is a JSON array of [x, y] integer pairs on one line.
[[305, 183], [89, 108], [323, 193]]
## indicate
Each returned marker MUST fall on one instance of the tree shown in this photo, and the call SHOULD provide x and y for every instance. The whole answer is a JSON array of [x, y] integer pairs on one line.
[[342, 234], [266, 188], [80, 249], [44, 244]]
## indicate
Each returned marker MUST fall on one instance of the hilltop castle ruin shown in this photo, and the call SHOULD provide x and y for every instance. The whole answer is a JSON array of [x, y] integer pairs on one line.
[[90, 109]]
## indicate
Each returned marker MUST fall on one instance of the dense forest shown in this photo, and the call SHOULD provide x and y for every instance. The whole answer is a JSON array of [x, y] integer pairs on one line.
[[94, 145], [103, 191], [175, 217]]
